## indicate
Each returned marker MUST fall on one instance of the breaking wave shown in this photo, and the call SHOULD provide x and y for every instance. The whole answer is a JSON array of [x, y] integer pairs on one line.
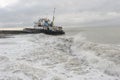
[[44, 57]]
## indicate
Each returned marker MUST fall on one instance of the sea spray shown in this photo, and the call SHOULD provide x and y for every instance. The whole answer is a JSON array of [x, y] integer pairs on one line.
[[44, 57]]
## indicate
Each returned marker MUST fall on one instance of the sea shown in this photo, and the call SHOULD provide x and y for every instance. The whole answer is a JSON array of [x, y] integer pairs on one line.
[[83, 53], [105, 35]]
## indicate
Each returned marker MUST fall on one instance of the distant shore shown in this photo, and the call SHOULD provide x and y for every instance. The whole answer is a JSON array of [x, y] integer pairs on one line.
[[8, 31], [2, 35], [2, 29]]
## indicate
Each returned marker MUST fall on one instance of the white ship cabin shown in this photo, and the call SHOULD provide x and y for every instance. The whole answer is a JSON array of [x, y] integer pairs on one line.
[[46, 24], [43, 22]]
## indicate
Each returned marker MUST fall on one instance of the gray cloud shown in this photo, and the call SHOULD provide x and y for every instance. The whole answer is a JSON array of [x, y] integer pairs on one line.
[[69, 12]]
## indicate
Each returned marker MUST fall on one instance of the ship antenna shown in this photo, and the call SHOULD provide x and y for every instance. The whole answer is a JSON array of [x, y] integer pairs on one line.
[[53, 17]]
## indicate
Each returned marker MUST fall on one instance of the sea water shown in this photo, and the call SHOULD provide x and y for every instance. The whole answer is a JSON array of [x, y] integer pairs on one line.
[[78, 55], [105, 35]]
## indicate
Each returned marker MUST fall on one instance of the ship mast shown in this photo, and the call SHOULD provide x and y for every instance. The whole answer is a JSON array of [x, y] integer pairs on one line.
[[53, 17]]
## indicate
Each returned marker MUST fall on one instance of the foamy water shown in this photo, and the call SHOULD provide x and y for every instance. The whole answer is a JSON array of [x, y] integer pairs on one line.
[[68, 57]]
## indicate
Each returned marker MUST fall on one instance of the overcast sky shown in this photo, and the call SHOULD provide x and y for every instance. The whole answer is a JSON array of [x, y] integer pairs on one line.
[[16, 13]]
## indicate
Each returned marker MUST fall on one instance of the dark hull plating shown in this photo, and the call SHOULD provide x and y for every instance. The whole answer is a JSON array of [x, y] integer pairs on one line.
[[32, 31], [50, 32]]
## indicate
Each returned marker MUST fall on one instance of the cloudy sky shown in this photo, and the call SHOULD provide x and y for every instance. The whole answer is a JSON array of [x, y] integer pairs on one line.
[[16, 13]]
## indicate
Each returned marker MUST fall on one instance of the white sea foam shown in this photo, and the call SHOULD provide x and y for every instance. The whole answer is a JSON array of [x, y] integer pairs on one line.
[[44, 57]]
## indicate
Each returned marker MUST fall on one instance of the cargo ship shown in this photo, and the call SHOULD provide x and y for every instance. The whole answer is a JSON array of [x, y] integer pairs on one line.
[[43, 25]]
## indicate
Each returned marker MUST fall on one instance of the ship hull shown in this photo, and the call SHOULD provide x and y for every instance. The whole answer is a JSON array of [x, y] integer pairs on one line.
[[49, 32], [32, 31]]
